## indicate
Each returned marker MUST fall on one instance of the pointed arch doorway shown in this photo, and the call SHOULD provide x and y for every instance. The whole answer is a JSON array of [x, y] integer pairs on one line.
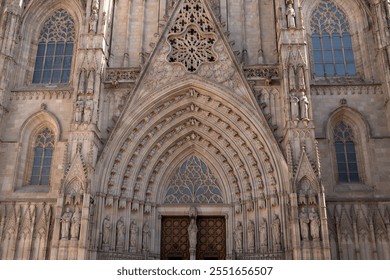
[[193, 184]]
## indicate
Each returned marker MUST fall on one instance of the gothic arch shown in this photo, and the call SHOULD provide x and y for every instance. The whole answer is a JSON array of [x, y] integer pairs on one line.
[[209, 114], [359, 20], [353, 117], [362, 134], [33, 19], [27, 132]]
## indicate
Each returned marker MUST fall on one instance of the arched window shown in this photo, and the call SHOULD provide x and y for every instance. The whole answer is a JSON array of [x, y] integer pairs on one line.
[[193, 182], [331, 42], [55, 49], [43, 153], [344, 142]]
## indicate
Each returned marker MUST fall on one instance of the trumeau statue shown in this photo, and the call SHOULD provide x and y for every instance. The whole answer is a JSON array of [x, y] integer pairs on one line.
[[192, 233]]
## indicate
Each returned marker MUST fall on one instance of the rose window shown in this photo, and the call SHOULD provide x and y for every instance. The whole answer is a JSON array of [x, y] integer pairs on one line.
[[192, 48]]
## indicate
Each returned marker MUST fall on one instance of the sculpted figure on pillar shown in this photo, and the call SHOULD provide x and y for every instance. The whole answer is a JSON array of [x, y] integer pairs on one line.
[[88, 110], [304, 102], [238, 237], [251, 236], [65, 224], [79, 108], [76, 221], [314, 224], [294, 106], [263, 232], [290, 13], [93, 20], [120, 233], [106, 230], [304, 224], [133, 234], [145, 237], [276, 230]]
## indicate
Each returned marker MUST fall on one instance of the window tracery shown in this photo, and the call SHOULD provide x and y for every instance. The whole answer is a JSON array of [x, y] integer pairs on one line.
[[346, 159], [331, 41], [193, 182], [43, 153], [55, 49], [192, 37]]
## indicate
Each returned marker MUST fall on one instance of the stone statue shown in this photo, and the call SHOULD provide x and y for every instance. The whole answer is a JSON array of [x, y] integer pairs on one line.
[[314, 224], [290, 13], [304, 224], [263, 233], [120, 233], [291, 78], [91, 82], [294, 106], [251, 236], [192, 233], [79, 107], [88, 110], [82, 82], [276, 230], [133, 234], [145, 236], [238, 237], [65, 224], [106, 230], [301, 78], [93, 20], [76, 221], [304, 102]]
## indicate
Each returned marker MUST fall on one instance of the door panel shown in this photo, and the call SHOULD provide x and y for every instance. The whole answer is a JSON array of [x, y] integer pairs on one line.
[[211, 238]]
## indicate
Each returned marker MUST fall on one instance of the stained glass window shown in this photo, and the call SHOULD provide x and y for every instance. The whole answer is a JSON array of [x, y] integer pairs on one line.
[[43, 153], [55, 49], [331, 41], [347, 165], [193, 182]]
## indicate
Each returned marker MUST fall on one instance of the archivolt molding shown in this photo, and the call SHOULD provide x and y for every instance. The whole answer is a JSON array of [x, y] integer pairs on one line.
[[190, 115]]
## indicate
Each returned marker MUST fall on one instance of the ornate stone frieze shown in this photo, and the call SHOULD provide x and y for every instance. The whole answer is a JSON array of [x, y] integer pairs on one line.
[[346, 89], [262, 72], [40, 94], [122, 75]]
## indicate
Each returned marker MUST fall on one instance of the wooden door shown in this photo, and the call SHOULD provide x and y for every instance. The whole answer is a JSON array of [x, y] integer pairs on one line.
[[211, 238]]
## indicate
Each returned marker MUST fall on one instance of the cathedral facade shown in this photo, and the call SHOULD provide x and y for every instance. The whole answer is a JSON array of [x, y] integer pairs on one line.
[[194, 129]]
